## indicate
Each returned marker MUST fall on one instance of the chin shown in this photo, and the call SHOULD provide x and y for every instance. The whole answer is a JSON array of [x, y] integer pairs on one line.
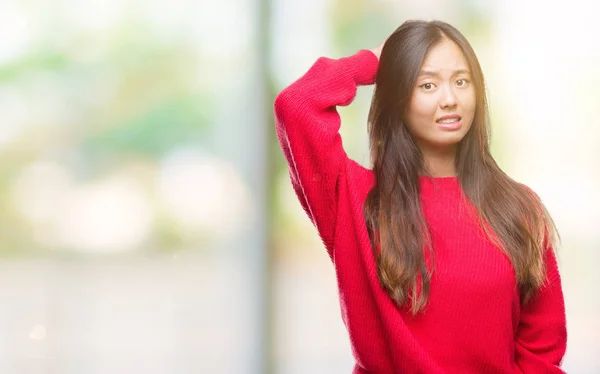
[[446, 141], [442, 139]]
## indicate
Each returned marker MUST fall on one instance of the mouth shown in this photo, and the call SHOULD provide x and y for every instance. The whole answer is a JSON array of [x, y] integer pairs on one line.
[[450, 122], [448, 119]]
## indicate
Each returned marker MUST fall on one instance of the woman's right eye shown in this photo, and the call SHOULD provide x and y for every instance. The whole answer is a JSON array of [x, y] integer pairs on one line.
[[427, 86]]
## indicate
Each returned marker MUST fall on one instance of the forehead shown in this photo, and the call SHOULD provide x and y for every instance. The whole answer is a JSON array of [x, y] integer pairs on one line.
[[445, 56]]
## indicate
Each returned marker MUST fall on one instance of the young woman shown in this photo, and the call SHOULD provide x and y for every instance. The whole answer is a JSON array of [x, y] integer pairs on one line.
[[444, 263]]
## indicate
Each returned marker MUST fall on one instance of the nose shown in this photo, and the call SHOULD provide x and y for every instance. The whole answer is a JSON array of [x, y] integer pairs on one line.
[[448, 99]]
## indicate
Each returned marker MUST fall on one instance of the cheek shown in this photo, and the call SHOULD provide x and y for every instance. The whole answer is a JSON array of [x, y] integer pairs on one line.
[[421, 108], [469, 110], [470, 102]]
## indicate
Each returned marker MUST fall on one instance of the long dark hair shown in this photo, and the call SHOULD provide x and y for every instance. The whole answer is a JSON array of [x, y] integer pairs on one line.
[[512, 216]]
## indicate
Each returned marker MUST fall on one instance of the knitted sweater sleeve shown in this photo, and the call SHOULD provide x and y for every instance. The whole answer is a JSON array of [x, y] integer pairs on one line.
[[307, 126], [541, 338]]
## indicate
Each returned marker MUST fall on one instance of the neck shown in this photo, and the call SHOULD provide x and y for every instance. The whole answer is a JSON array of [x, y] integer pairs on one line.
[[440, 162]]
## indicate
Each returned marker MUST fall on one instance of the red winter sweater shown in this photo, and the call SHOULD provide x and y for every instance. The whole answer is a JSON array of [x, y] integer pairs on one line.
[[473, 322]]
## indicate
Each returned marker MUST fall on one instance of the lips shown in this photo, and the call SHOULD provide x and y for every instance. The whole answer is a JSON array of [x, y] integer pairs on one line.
[[450, 118]]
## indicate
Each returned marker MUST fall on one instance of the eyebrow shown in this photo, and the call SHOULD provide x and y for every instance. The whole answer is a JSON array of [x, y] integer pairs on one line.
[[436, 73]]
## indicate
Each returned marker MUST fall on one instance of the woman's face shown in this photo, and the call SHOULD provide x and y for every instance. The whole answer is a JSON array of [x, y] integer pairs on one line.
[[442, 104]]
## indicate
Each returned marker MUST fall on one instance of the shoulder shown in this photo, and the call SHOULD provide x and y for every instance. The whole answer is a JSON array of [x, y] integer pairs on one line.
[[530, 192], [359, 179], [360, 173]]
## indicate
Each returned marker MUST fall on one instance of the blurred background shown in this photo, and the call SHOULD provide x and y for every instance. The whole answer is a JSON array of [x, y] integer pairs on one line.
[[147, 221]]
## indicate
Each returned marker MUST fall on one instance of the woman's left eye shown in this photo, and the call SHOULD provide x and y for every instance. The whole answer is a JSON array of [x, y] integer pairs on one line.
[[461, 82]]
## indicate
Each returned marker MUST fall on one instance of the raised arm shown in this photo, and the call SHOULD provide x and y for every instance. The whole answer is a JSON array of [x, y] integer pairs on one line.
[[541, 338], [307, 125]]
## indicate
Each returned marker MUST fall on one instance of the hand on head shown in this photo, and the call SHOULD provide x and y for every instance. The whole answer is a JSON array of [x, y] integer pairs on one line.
[[377, 51]]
